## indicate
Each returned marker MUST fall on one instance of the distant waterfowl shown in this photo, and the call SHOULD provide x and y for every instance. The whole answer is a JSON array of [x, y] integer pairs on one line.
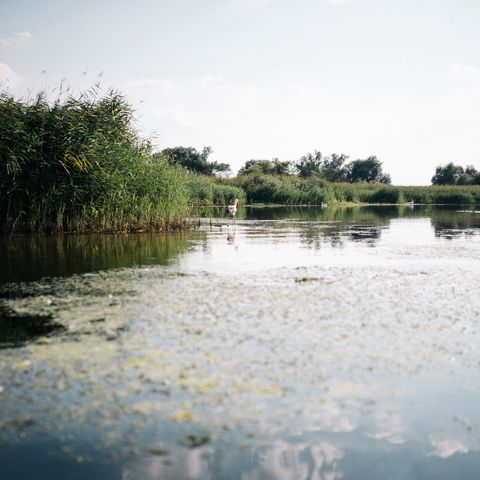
[[323, 205], [232, 209]]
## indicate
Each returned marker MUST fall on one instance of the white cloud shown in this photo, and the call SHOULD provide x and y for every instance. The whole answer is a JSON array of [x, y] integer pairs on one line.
[[18, 37], [8, 78], [468, 72], [159, 83], [444, 447]]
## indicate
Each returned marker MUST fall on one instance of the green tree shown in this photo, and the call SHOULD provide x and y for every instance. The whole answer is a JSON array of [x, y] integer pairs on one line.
[[193, 160], [452, 174], [310, 164], [334, 168], [369, 170], [273, 167]]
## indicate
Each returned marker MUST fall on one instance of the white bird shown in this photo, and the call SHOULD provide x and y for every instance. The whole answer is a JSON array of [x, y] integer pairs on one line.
[[232, 209]]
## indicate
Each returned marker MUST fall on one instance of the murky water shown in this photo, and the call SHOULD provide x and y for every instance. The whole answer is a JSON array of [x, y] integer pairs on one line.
[[298, 343]]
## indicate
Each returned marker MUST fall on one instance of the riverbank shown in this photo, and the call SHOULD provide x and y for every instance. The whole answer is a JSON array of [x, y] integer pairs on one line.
[[78, 165], [293, 190]]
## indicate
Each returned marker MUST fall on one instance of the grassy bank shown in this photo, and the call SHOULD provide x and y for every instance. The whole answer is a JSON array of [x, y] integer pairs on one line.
[[79, 165], [292, 190]]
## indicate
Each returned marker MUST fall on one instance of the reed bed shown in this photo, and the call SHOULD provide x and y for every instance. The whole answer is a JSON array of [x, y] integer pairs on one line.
[[209, 191], [293, 190], [78, 165]]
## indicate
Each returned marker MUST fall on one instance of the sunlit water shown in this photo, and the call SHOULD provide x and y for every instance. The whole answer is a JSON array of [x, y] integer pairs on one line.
[[297, 343]]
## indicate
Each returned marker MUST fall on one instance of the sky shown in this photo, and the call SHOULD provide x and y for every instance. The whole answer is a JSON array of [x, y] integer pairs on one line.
[[260, 79]]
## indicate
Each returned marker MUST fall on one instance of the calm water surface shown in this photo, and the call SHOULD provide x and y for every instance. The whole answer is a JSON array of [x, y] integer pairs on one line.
[[298, 343]]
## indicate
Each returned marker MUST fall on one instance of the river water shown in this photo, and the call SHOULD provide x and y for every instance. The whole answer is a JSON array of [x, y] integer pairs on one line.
[[337, 343]]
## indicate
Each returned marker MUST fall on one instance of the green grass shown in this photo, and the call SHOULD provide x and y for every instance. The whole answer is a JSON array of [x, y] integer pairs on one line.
[[209, 191], [78, 165], [292, 190]]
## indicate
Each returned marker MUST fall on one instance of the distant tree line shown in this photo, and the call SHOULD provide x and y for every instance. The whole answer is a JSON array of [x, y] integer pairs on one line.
[[334, 168], [452, 174]]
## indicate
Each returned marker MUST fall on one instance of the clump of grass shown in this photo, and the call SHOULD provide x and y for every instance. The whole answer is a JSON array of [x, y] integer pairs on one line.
[[207, 191], [78, 164]]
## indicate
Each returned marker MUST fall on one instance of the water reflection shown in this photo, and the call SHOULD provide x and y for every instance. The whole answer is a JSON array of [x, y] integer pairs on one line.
[[27, 258], [30, 257], [451, 224], [300, 343], [279, 459], [17, 329]]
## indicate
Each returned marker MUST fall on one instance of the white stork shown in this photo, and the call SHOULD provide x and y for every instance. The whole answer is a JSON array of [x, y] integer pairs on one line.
[[232, 209]]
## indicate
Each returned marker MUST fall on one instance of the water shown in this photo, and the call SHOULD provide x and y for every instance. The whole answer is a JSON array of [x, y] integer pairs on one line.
[[298, 343]]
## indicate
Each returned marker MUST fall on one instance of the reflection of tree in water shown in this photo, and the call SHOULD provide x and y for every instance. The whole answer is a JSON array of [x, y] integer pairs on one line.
[[32, 257], [451, 224], [337, 234]]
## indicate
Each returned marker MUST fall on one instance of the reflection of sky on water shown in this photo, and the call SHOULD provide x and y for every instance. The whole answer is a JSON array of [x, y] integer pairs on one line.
[[322, 345]]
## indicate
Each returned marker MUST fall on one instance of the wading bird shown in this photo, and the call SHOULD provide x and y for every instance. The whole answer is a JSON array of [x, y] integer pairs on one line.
[[232, 210]]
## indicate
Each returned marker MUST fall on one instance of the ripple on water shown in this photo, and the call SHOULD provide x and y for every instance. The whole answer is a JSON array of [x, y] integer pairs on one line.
[[281, 368]]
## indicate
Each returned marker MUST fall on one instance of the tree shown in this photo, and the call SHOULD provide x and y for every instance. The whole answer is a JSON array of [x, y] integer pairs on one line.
[[194, 161], [369, 170], [273, 167], [334, 168], [452, 174], [310, 164]]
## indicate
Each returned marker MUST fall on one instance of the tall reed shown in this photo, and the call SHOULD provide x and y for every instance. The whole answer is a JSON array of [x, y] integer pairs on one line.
[[78, 164]]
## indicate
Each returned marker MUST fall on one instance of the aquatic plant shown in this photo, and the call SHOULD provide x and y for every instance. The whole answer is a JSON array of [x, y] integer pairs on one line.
[[78, 164], [206, 190]]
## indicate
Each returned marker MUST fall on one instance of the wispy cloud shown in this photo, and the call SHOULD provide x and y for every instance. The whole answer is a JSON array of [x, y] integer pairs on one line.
[[160, 83], [8, 78], [465, 71], [18, 37]]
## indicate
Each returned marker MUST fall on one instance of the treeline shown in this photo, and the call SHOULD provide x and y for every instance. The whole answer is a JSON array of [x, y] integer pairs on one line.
[[452, 174], [314, 179], [333, 168]]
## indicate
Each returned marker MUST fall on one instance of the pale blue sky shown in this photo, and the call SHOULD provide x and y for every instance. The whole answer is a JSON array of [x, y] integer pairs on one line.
[[399, 79]]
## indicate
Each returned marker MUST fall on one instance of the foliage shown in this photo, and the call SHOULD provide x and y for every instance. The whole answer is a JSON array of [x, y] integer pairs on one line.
[[368, 170], [193, 161], [452, 174], [335, 168], [77, 164], [310, 164], [293, 190], [287, 190], [206, 191], [274, 167]]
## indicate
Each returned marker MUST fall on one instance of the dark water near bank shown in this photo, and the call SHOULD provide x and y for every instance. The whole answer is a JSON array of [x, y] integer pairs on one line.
[[297, 343]]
